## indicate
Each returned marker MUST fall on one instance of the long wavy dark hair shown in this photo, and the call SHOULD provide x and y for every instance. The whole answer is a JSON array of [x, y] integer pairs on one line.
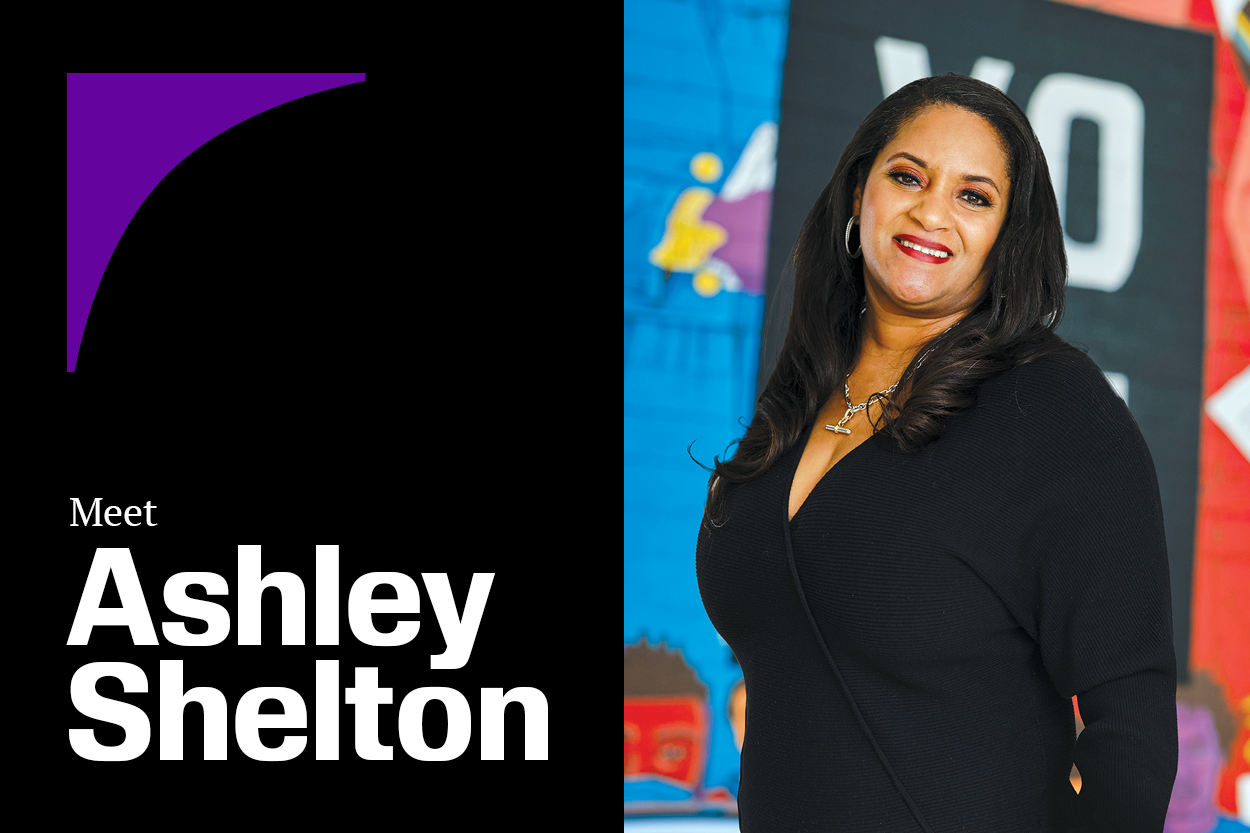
[[1013, 323]]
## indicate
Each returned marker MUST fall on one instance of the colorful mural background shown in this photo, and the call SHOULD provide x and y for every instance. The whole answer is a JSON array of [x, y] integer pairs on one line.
[[702, 97], [703, 87]]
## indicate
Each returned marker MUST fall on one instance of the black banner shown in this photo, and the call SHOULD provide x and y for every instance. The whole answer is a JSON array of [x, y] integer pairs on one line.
[[1122, 109]]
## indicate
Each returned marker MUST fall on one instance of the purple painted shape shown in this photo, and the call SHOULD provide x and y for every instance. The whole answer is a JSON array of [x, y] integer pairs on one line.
[[746, 245], [1200, 759], [125, 132]]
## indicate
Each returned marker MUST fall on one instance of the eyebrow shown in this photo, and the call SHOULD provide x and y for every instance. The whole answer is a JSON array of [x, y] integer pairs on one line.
[[924, 164]]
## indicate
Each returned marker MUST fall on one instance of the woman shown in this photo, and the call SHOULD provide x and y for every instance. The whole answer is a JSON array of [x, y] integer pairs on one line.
[[942, 523]]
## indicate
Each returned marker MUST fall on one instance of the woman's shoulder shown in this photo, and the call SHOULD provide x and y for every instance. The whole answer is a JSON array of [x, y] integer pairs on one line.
[[1061, 394], [1064, 377]]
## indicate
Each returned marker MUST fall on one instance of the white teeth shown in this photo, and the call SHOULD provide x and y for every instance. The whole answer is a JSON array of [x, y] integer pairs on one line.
[[912, 245]]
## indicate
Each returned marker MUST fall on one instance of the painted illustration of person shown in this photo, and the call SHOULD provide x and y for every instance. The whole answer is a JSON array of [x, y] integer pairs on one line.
[[666, 725], [737, 710], [1206, 727], [731, 224]]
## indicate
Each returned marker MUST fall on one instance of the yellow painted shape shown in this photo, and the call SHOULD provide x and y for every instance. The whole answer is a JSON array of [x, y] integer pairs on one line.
[[706, 167], [707, 284], [688, 240], [1245, 711]]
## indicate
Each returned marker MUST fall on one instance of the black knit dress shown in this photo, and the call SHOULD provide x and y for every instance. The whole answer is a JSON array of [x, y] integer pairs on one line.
[[912, 639]]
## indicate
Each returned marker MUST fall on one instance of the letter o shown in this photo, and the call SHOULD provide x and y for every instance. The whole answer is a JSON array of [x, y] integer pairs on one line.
[[1117, 109], [459, 723]]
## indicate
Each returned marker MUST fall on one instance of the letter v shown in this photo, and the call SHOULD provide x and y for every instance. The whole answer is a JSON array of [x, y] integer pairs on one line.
[[900, 62]]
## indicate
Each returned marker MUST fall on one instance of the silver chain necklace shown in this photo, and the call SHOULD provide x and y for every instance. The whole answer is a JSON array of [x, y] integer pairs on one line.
[[851, 410]]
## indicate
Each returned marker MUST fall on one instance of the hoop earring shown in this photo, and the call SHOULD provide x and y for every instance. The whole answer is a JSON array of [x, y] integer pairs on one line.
[[858, 250]]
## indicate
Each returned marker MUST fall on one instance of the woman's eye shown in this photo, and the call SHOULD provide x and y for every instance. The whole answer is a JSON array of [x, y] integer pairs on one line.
[[907, 180]]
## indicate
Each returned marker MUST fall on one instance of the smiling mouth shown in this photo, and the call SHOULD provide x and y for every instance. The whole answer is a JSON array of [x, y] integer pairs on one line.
[[920, 252]]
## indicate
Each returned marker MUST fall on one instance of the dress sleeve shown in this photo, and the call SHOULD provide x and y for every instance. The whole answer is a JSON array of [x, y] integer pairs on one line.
[[1103, 603]]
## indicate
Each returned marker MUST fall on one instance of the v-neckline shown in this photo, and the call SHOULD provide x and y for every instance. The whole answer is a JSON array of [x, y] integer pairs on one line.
[[794, 470]]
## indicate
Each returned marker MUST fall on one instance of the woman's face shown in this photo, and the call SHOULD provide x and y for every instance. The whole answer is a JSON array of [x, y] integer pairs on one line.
[[941, 184]]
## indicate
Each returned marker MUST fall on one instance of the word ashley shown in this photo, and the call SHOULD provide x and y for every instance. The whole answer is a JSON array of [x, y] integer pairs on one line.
[[459, 632]]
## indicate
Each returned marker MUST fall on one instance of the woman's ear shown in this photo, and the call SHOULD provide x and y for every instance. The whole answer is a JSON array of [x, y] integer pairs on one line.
[[859, 193]]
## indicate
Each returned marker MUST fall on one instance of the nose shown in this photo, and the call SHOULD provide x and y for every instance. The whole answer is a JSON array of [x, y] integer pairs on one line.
[[931, 211]]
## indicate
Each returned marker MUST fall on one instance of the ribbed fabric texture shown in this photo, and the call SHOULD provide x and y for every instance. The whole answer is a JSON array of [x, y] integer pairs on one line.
[[966, 593]]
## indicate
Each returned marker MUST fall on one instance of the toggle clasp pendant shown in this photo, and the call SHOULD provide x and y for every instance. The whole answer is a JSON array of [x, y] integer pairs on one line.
[[851, 410], [838, 428]]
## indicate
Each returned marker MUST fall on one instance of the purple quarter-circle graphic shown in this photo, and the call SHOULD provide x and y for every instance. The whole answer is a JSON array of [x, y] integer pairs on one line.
[[125, 132]]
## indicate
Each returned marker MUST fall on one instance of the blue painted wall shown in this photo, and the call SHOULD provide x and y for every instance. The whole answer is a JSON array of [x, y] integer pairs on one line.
[[700, 78]]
